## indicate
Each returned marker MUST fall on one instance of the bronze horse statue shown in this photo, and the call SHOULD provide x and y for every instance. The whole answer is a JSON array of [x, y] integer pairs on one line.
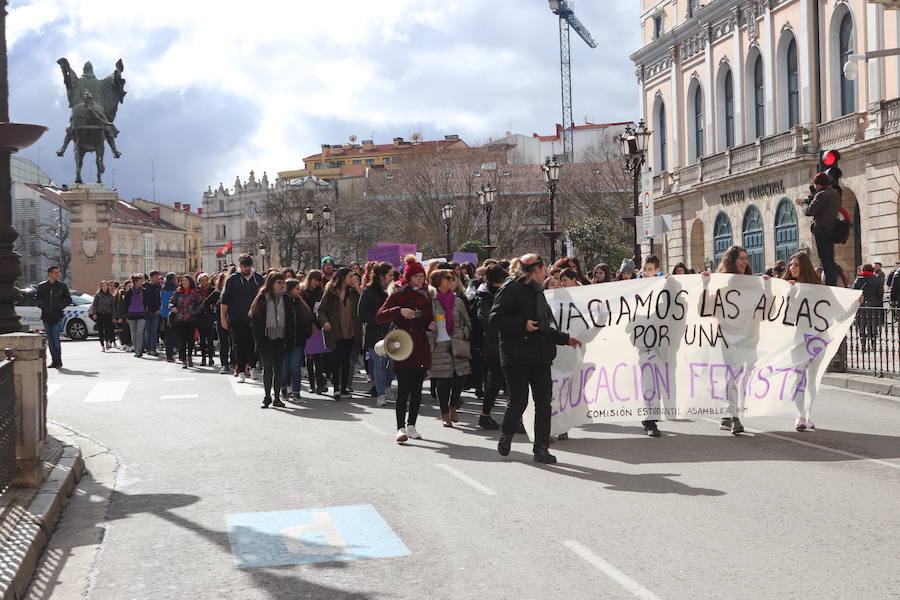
[[94, 103]]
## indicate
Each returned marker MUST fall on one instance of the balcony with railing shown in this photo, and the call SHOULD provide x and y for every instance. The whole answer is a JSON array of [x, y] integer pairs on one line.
[[890, 116], [842, 132], [713, 166], [171, 254]]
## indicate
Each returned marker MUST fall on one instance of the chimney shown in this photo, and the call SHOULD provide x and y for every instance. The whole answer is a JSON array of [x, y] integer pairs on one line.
[[397, 142], [154, 213], [178, 206], [200, 211], [368, 145], [451, 138], [187, 208]]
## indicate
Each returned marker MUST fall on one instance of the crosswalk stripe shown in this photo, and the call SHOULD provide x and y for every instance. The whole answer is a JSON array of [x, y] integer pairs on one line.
[[245, 389], [179, 396], [107, 391]]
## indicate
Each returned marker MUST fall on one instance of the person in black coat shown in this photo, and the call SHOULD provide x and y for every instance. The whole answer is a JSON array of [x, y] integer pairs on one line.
[[296, 340], [527, 348], [272, 322], [493, 373], [372, 298], [871, 314]]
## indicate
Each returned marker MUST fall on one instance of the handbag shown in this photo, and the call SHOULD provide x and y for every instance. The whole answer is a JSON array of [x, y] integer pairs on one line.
[[461, 348]]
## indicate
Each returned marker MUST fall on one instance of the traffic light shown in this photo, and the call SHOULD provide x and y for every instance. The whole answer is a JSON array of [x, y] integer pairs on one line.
[[829, 164]]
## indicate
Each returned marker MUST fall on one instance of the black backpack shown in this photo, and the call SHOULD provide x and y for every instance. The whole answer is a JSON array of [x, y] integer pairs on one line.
[[841, 231]]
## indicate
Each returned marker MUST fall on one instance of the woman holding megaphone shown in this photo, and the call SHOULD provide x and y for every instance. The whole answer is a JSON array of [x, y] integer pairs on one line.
[[408, 307]]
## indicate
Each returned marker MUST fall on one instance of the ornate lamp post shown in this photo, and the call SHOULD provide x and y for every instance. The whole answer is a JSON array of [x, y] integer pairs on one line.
[[486, 198], [263, 252], [551, 178], [634, 150], [447, 215], [13, 137], [318, 225]]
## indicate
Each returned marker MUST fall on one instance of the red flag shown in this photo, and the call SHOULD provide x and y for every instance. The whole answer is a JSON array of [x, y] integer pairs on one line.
[[226, 249]]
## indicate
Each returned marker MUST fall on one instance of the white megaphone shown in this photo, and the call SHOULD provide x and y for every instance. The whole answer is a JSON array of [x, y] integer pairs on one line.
[[396, 345]]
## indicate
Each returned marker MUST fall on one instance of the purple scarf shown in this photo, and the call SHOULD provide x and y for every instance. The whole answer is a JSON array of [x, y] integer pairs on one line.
[[448, 301]]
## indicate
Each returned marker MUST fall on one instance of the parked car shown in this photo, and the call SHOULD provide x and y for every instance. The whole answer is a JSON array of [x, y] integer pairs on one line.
[[76, 325]]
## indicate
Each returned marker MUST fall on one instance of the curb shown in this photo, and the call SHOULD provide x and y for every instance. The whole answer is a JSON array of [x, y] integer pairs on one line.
[[29, 518], [862, 383]]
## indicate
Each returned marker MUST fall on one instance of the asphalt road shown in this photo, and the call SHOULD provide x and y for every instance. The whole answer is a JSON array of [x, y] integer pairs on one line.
[[204, 495]]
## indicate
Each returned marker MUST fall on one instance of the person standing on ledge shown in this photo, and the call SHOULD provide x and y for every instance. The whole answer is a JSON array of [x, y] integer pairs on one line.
[[527, 349], [823, 207], [52, 297]]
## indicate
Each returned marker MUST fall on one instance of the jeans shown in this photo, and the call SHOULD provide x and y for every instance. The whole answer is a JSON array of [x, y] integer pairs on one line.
[[53, 330], [137, 335], [185, 331], [292, 371], [340, 364], [151, 332], [825, 248], [518, 380], [409, 388], [106, 329], [382, 370], [242, 336], [449, 390], [272, 359]]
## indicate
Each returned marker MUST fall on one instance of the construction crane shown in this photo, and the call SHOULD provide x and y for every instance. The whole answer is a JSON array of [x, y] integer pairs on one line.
[[564, 9]]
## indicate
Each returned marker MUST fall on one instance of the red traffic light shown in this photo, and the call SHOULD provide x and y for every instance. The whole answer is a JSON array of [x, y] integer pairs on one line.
[[830, 158]]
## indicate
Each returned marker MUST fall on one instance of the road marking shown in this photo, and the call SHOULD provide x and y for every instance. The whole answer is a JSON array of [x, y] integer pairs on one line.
[[179, 396], [870, 394], [52, 388], [371, 427], [610, 571], [819, 447], [107, 391], [179, 379], [466, 479]]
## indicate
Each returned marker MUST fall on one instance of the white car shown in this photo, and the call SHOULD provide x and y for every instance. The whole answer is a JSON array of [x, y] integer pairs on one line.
[[76, 324]]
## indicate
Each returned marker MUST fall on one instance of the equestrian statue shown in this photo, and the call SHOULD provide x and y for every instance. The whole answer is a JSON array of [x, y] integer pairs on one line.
[[94, 103]]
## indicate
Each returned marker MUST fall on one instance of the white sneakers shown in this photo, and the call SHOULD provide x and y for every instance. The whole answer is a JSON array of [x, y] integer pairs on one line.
[[412, 433], [241, 377], [380, 400], [401, 435], [254, 374]]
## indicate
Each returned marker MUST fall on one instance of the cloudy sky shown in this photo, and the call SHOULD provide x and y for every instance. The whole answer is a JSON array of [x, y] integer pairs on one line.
[[217, 88]]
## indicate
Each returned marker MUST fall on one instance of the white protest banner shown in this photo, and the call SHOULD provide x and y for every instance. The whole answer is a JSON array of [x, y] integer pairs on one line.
[[693, 346]]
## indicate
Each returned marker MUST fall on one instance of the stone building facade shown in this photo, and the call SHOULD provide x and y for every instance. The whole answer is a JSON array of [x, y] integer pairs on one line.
[[742, 97]]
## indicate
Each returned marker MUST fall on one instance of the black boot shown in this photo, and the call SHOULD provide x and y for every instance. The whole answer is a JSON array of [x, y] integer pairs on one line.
[[543, 456], [486, 422], [503, 446], [266, 402]]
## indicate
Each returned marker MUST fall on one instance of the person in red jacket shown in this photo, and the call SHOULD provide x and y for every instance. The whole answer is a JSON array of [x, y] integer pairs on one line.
[[408, 307]]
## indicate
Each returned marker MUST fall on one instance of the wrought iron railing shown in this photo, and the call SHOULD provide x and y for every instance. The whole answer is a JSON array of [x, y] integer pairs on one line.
[[7, 422], [873, 344]]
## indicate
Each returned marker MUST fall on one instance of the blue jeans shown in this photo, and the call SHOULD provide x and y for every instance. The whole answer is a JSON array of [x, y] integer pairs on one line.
[[292, 370], [53, 330], [382, 371], [151, 332]]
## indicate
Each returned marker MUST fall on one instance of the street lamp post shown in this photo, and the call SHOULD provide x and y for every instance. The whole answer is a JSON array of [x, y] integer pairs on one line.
[[13, 137], [318, 225], [263, 252], [634, 149], [486, 198], [551, 178], [447, 215]]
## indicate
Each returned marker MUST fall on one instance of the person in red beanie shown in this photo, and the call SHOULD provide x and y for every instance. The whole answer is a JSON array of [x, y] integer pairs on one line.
[[408, 307], [823, 206]]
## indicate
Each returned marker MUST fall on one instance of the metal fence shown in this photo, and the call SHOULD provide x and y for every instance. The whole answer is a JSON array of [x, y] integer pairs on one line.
[[873, 344], [7, 423]]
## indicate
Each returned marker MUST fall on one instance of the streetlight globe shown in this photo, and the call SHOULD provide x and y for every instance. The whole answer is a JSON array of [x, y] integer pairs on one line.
[[554, 171], [309, 215], [851, 70], [482, 199], [447, 212], [489, 193], [326, 213]]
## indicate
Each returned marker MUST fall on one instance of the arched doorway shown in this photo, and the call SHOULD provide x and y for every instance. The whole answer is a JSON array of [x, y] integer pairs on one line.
[[786, 231], [698, 244], [722, 236], [752, 239]]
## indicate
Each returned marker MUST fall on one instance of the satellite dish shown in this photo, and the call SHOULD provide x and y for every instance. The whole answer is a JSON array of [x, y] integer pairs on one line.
[[416, 137], [352, 139]]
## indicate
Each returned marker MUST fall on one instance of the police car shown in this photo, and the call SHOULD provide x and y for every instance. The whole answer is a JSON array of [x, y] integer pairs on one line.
[[76, 324]]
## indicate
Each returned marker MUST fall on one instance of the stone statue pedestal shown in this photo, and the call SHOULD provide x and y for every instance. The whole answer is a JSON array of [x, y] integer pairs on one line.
[[90, 212]]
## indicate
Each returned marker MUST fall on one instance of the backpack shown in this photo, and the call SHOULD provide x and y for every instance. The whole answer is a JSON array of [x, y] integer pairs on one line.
[[841, 232]]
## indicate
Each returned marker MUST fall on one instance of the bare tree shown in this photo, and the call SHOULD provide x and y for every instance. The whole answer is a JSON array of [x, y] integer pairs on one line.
[[57, 235], [284, 228]]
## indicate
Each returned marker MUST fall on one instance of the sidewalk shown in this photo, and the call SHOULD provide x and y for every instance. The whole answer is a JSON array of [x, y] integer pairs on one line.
[[29, 516], [857, 382]]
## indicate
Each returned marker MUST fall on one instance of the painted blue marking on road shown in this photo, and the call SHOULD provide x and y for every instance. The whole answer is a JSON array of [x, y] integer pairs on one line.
[[297, 537]]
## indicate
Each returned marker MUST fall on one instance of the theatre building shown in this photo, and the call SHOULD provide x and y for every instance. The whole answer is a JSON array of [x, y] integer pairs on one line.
[[742, 97]]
